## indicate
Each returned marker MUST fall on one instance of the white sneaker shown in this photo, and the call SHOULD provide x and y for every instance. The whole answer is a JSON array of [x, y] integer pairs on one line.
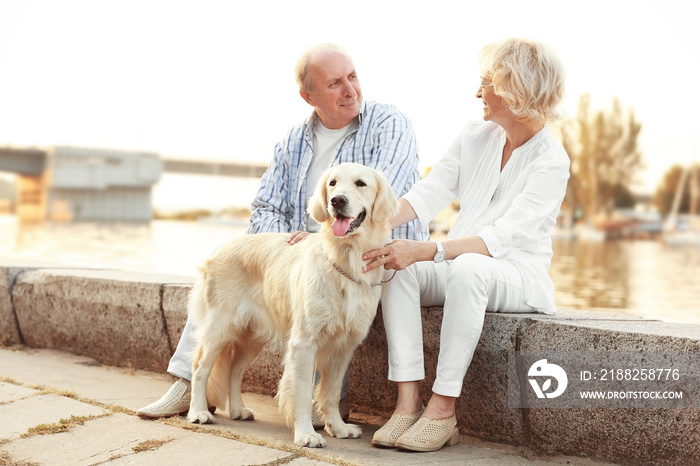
[[176, 401], [317, 418]]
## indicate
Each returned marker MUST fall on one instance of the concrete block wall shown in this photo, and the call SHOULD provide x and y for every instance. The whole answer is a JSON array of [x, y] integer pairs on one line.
[[135, 320], [9, 331]]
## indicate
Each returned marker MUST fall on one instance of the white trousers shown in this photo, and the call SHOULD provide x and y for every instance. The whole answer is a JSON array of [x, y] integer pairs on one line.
[[466, 287], [181, 363]]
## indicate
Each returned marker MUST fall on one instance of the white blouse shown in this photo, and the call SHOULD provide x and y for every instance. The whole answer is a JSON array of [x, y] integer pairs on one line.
[[514, 211]]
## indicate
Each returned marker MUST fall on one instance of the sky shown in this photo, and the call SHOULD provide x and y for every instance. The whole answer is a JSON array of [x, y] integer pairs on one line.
[[214, 79]]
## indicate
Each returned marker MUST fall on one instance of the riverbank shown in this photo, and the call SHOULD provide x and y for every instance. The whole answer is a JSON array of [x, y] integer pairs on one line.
[[134, 320], [643, 278]]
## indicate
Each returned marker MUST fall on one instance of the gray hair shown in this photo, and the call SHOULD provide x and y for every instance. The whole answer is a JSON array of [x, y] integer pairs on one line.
[[301, 69], [527, 75]]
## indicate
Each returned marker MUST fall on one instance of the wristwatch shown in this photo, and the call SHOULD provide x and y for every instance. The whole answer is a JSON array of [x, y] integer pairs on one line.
[[440, 254]]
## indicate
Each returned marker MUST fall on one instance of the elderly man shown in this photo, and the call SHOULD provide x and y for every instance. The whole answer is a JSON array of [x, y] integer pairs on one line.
[[342, 128]]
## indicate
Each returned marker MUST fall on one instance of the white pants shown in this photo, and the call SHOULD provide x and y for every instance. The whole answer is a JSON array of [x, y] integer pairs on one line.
[[466, 287], [181, 362]]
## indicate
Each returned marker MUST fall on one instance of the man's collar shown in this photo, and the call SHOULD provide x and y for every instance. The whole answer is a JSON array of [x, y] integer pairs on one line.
[[360, 115]]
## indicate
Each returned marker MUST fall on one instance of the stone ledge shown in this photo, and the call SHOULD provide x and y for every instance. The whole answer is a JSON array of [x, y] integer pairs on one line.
[[9, 269], [113, 316], [135, 320]]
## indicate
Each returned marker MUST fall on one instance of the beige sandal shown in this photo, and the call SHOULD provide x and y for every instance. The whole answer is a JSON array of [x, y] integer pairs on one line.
[[394, 428], [427, 435]]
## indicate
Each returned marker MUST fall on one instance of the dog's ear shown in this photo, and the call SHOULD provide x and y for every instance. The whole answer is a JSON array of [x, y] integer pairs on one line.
[[385, 204], [318, 204]]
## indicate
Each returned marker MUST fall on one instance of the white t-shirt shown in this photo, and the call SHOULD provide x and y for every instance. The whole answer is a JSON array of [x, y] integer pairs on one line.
[[325, 146]]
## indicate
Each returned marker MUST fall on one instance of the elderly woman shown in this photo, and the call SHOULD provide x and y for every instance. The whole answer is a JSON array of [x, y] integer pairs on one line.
[[509, 174]]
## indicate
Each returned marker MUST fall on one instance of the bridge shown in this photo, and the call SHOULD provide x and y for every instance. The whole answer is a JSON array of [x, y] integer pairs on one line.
[[29, 161], [32, 161], [73, 183]]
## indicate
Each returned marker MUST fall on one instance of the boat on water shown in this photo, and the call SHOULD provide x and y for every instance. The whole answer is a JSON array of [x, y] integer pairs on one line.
[[684, 230]]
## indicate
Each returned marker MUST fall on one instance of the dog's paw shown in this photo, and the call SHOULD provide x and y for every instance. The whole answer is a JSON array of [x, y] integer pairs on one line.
[[202, 417], [344, 430], [244, 414], [311, 440]]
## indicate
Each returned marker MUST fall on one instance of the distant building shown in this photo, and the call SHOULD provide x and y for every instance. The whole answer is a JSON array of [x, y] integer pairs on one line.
[[64, 183], [90, 184]]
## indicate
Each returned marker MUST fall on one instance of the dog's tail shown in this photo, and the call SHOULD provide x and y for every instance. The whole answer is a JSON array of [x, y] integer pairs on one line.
[[293, 383], [285, 398], [218, 386]]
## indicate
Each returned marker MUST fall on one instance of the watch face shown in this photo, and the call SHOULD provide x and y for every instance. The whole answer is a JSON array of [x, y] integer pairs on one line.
[[440, 256]]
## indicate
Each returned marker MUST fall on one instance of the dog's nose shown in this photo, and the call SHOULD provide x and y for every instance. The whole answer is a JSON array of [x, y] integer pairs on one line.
[[338, 202]]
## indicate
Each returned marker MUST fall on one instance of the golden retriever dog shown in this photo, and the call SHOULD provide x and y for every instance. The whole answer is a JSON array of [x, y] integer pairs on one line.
[[313, 296]]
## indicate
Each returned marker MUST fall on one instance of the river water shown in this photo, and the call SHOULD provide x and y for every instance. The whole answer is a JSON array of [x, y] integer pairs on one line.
[[645, 278]]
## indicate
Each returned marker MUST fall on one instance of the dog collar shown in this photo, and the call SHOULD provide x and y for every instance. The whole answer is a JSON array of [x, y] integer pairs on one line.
[[350, 277]]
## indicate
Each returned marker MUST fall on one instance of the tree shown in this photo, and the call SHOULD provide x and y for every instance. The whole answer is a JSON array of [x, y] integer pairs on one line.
[[604, 155], [666, 192]]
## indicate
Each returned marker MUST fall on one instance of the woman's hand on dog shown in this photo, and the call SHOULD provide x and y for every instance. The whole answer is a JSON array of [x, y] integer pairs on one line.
[[399, 254]]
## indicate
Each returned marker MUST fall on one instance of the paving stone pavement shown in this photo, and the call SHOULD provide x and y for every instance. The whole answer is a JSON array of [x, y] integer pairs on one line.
[[60, 409]]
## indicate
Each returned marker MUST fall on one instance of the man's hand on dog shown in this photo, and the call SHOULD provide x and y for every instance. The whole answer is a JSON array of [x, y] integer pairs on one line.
[[297, 236]]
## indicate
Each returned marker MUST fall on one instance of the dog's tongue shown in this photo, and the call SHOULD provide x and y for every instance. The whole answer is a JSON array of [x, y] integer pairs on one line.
[[341, 226]]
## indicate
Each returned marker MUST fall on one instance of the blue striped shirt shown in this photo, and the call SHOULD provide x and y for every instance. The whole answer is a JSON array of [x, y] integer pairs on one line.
[[384, 140]]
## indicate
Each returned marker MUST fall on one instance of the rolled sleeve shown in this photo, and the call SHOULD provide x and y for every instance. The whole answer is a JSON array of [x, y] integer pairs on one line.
[[421, 209], [493, 243]]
